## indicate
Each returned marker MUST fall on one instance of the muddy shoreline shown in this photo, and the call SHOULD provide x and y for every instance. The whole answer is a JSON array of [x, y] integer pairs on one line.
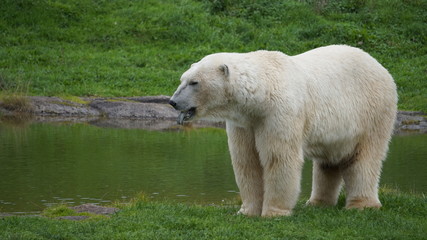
[[149, 112]]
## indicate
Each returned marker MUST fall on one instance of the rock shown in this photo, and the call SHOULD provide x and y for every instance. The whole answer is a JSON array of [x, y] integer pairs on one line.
[[148, 124], [152, 124], [95, 209], [410, 122], [89, 208], [134, 110], [54, 106], [152, 99], [5, 215], [64, 119], [73, 218], [149, 107], [144, 99]]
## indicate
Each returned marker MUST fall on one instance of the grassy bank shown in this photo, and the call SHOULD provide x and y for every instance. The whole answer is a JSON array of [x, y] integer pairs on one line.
[[133, 48], [402, 217]]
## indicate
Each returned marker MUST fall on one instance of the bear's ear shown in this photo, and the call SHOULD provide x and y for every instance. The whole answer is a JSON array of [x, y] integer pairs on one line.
[[225, 70]]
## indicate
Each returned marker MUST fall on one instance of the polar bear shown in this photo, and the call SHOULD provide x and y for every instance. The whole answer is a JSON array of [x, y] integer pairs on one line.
[[335, 105]]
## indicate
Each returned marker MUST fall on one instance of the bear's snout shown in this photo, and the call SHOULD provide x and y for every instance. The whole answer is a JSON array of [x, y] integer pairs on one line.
[[172, 103]]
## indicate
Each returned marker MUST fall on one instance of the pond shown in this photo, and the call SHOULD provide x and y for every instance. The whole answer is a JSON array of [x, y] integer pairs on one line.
[[42, 164]]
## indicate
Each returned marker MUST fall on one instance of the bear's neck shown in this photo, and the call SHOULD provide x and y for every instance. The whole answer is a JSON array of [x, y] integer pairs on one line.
[[243, 115]]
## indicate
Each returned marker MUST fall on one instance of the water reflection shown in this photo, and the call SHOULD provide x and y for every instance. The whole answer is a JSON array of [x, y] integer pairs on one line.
[[43, 164]]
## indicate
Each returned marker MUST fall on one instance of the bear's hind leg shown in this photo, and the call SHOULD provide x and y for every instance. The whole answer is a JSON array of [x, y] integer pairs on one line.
[[362, 175], [326, 185]]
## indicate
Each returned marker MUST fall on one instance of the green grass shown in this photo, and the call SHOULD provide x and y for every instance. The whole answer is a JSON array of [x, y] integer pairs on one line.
[[133, 48], [401, 217]]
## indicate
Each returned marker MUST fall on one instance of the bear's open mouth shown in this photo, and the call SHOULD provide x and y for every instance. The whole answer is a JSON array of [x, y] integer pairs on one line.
[[186, 115]]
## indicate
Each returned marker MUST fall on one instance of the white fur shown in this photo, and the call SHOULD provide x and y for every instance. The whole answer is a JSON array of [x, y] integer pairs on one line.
[[335, 105]]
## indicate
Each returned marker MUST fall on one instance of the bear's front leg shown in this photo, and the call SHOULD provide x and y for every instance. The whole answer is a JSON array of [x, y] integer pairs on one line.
[[282, 164], [247, 169]]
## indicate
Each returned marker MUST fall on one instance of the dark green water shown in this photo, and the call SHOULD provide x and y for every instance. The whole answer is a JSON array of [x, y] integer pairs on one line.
[[45, 164]]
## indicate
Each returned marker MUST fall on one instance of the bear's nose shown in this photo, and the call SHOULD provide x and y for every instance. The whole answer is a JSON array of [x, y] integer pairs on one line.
[[172, 103]]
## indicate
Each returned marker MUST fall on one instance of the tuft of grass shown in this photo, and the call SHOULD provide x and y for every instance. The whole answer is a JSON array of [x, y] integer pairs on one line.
[[401, 217], [60, 210], [16, 103], [13, 96]]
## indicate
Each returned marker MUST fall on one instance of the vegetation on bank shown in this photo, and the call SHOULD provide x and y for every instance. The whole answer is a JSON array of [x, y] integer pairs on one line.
[[401, 217], [134, 48]]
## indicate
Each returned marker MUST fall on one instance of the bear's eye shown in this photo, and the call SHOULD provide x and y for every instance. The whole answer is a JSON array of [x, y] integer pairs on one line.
[[193, 83]]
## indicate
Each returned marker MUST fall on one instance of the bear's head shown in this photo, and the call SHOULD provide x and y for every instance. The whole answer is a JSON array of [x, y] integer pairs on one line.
[[203, 91]]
